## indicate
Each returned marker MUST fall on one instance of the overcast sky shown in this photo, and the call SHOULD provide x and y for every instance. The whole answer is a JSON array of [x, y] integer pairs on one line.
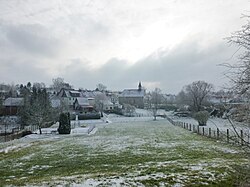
[[162, 43]]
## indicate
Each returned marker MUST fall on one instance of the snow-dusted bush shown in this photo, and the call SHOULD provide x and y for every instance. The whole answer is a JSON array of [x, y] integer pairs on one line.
[[201, 117], [129, 110], [64, 124]]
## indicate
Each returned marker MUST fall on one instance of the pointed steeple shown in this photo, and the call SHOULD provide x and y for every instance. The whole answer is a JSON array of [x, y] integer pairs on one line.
[[139, 86]]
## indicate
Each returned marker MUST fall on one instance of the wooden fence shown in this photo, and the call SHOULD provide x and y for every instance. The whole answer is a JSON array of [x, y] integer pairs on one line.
[[31, 128], [238, 137], [13, 136], [17, 133]]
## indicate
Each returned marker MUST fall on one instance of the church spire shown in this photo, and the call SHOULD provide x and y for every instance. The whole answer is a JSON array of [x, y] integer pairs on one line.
[[139, 86]]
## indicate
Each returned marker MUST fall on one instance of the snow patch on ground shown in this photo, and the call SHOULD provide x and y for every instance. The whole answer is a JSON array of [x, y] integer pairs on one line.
[[14, 148]]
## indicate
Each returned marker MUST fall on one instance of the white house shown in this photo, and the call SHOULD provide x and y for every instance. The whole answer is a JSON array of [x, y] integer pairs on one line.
[[68, 96]]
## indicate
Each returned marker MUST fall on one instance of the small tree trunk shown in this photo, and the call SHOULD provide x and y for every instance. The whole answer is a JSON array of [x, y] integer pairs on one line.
[[40, 130]]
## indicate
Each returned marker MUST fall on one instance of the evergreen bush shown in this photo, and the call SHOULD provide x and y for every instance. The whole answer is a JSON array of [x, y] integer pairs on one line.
[[64, 123]]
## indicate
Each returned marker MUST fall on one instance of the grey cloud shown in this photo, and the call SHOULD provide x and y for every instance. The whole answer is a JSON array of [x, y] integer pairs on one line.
[[84, 26], [14, 70], [32, 39], [185, 64], [111, 74]]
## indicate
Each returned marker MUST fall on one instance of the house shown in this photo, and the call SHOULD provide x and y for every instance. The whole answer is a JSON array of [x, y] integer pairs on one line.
[[108, 105], [83, 104], [12, 105], [55, 101], [68, 96], [133, 97]]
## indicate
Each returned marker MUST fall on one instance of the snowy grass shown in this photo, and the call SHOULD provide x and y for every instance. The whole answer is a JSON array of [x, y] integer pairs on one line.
[[222, 124], [129, 153]]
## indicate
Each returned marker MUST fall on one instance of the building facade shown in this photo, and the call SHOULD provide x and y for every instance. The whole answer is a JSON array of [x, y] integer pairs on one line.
[[133, 97]]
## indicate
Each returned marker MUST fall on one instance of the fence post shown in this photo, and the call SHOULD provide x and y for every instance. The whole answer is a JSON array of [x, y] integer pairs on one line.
[[209, 132], [227, 135], [218, 133], [198, 129], [241, 137], [248, 137], [203, 131], [190, 128]]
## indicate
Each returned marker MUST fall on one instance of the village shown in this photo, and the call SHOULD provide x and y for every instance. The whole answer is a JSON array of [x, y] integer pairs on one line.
[[23, 110]]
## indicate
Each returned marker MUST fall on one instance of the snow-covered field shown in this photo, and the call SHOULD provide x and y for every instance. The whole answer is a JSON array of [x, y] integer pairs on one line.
[[123, 152]]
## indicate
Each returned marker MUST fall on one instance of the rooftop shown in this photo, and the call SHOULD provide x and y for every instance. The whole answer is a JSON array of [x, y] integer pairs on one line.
[[13, 101], [133, 93]]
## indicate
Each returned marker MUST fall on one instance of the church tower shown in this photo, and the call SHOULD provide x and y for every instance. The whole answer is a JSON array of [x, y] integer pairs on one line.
[[139, 86]]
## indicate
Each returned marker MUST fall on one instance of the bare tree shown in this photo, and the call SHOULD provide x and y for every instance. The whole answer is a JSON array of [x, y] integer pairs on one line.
[[101, 87], [40, 85], [37, 109], [195, 94], [182, 98], [41, 110], [239, 73], [100, 99], [147, 100], [156, 98], [58, 84], [129, 110]]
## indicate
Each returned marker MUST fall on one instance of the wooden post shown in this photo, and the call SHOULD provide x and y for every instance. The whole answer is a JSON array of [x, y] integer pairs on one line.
[[241, 137], [203, 131], [209, 132], [198, 129], [227, 135], [218, 133], [190, 128], [248, 137]]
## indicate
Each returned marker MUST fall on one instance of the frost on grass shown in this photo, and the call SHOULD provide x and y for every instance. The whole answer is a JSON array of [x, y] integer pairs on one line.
[[128, 153]]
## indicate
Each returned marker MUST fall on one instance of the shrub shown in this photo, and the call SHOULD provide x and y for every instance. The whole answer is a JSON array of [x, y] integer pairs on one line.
[[201, 117], [129, 110], [64, 123]]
